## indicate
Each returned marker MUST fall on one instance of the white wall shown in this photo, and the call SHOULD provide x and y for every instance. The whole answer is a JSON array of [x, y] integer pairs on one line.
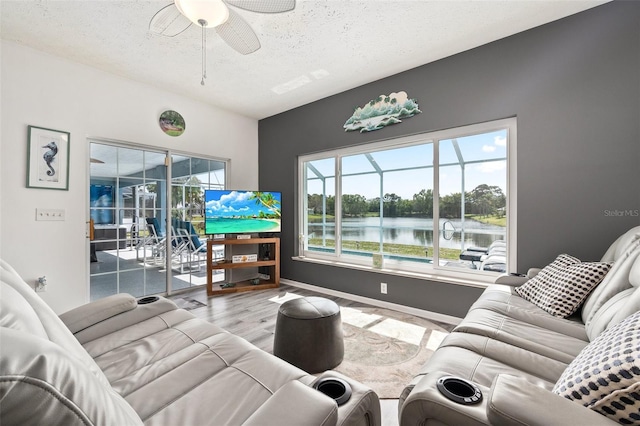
[[46, 91]]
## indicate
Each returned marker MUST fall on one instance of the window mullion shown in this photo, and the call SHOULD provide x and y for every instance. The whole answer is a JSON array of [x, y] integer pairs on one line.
[[338, 206], [304, 219], [436, 203], [512, 201]]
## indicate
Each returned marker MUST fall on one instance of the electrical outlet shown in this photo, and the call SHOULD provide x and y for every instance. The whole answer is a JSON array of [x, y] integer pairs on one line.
[[383, 288]]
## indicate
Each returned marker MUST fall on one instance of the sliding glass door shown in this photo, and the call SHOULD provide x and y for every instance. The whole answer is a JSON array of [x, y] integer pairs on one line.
[[146, 219], [190, 177]]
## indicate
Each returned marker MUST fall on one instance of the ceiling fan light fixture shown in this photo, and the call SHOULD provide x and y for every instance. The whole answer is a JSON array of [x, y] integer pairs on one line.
[[212, 12]]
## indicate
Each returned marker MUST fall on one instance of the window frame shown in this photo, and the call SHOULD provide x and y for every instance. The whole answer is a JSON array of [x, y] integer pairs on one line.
[[471, 277]]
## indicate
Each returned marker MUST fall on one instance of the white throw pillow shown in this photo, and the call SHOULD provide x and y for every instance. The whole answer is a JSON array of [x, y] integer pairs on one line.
[[563, 285], [605, 376]]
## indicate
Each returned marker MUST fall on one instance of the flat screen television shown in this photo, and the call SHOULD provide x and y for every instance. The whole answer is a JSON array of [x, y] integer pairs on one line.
[[241, 212]]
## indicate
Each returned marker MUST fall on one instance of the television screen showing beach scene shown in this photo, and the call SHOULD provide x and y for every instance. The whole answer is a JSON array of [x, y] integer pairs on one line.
[[241, 212]]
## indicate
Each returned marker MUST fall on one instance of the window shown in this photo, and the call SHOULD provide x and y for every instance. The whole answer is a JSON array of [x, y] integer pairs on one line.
[[440, 202]]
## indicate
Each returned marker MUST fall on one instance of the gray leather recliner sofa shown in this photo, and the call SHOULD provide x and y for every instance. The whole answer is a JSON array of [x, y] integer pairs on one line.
[[509, 353], [118, 362]]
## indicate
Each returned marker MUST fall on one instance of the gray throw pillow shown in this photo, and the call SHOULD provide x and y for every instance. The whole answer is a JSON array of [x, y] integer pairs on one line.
[[605, 376]]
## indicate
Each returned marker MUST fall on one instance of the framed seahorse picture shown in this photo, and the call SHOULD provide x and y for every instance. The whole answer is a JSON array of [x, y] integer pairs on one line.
[[47, 158]]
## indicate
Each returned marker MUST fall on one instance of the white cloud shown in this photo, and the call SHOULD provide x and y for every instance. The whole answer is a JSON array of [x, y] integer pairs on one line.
[[500, 140], [233, 202], [493, 166], [488, 148]]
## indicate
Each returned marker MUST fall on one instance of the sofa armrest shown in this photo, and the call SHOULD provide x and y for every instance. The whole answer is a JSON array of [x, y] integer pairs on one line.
[[105, 316], [511, 280], [363, 408], [295, 404], [92, 313], [515, 401], [516, 280], [532, 272], [142, 312]]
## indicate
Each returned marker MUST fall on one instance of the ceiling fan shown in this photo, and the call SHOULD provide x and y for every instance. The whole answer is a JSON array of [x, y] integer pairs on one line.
[[176, 17]]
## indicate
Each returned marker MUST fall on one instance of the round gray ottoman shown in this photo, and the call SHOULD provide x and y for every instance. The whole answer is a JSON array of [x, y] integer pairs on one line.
[[309, 334]]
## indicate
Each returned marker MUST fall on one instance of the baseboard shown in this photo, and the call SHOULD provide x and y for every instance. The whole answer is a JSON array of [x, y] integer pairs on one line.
[[434, 316]]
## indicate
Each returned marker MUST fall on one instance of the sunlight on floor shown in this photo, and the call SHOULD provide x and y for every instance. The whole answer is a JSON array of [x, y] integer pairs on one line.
[[357, 318], [388, 327], [435, 339], [194, 279], [286, 297], [399, 330], [126, 254]]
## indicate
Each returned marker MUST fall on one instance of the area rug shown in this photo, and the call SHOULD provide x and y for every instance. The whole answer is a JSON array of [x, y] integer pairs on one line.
[[385, 349]]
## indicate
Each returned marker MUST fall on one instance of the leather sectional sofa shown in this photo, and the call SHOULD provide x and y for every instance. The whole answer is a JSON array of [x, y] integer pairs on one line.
[[119, 362], [510, 362]]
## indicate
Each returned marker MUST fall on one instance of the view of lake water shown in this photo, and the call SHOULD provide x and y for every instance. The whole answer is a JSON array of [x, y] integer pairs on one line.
[[412, 231]]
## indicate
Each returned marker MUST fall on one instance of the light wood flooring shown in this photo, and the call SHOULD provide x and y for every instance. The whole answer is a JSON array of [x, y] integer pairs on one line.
[[252, 316]]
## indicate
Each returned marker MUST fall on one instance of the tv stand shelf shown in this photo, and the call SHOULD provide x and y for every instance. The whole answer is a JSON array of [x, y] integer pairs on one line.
[[273, 263]]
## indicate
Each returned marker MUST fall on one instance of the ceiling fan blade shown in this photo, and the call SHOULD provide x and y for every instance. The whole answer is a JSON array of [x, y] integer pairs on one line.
[[169, 22], [264, 6], [238, 34]]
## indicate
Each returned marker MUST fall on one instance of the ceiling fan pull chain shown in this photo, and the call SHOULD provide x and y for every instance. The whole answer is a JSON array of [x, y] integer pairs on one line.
[[203, 24]]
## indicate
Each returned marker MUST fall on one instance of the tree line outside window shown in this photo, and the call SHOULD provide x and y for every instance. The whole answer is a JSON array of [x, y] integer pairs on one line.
[[484, 200]]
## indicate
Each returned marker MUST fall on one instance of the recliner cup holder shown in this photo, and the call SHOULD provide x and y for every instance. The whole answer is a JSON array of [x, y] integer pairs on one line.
[[459, 390], [148, 299], [334, 388]]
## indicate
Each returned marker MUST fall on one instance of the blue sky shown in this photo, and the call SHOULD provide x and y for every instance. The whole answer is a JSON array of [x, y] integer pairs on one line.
[[486, 146], [234, 203]]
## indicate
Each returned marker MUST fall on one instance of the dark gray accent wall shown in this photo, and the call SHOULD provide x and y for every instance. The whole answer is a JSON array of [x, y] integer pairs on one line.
[[574, 86]]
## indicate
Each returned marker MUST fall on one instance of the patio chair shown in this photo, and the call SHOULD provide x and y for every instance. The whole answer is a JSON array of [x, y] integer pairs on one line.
[[135, 236], [180, 247], [195, 242], [492, 258], [495, 259], [154, 239], [195, 248]]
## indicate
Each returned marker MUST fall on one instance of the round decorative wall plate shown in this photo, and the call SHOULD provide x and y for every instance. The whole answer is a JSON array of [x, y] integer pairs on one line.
[[172, 123]]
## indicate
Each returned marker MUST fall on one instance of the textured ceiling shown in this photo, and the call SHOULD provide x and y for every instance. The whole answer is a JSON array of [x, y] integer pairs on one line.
[[319, 49]]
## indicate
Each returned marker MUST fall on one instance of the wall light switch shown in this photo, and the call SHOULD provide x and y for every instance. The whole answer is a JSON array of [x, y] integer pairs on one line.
[[50, 214]]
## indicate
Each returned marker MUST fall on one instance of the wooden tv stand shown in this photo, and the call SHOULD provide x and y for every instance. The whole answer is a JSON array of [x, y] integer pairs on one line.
[[273, 263]]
